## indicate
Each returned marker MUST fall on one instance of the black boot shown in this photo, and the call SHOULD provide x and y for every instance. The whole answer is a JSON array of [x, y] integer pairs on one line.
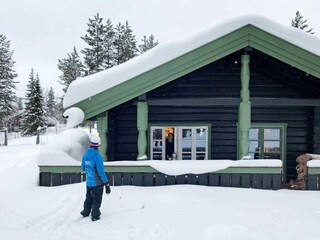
[[95, 218], [84, 214]]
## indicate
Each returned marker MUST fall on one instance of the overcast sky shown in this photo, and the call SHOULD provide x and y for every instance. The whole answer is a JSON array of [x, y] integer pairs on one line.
[[43, 31]]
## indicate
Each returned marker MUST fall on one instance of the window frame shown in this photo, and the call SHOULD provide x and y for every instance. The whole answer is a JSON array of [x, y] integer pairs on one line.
[[283, 140], [177, 128]]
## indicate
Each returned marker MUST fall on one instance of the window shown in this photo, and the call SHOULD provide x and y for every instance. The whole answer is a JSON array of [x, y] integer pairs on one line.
[[183, 143], [271, 143], [157, 143], [265, 143], [268, 141]]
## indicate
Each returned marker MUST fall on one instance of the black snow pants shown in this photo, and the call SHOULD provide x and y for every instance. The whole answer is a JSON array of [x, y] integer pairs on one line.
[[93, 201]]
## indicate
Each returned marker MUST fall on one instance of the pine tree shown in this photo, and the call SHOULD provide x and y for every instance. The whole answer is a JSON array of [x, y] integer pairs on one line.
[[147, 43], [20, 104], [95, 55], [33, 113], [71, 68], [118, 42], [130, 43], [51, 108], [7, 84], [125, 43], [109, 45], [298, 22], [60, 110]]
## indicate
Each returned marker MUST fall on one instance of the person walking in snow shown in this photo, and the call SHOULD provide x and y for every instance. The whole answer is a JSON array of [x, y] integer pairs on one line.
[[92, 164]]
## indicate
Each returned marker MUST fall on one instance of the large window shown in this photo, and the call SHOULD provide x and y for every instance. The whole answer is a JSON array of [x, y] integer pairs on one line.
[[179, 142], [268, 141], [265, 143]]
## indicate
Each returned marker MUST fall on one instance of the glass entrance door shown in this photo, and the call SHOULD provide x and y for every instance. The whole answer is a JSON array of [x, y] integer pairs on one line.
[[162, 142], [193, 143], [183, 143]]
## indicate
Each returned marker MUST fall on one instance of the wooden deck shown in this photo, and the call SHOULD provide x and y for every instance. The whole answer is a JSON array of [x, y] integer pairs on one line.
[[259, 177]]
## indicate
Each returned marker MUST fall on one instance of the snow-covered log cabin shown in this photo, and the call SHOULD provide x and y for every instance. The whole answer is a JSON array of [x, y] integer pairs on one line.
[[248, 87]]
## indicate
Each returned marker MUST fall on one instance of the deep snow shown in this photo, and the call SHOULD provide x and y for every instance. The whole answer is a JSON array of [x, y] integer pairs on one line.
[[168, 212]]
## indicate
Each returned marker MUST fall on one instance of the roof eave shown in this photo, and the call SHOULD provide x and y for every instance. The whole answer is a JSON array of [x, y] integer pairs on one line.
[[248, 35]]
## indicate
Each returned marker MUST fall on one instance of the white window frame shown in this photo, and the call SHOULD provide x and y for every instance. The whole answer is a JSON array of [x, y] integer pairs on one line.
[[178, 140]]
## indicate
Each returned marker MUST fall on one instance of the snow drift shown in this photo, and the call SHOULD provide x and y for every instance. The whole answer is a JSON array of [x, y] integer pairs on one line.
[[65, 149]]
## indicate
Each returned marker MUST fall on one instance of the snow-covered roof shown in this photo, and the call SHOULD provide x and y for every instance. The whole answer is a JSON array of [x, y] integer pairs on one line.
[[86, 87]]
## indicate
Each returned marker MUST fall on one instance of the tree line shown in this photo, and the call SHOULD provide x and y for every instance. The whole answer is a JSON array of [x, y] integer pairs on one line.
[[107, 45]]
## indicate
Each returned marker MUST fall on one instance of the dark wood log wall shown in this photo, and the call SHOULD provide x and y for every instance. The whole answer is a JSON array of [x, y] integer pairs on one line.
[[299, 130], [221, 79], [316, 136]]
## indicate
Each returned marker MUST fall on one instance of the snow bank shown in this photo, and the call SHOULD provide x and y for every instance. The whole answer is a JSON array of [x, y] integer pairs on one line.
[[86, 87], [313, 163], [69, 146], [74, 117], [180, 167], [66, 149]]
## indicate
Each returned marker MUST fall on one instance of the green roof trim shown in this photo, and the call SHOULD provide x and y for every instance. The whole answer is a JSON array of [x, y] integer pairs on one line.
[[248, 35], [149, 169]]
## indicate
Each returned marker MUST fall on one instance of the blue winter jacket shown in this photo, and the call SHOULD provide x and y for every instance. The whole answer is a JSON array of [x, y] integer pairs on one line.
[[92, 163]]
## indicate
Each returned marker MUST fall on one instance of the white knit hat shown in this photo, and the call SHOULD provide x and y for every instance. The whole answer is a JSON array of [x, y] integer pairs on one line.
[[95, 141]]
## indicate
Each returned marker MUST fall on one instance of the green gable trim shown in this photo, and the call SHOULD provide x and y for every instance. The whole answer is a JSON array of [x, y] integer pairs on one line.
[[202, 56], [284, 51], [165, 73]]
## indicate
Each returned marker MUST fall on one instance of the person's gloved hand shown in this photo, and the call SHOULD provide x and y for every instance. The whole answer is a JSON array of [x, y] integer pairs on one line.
[[108, 189]]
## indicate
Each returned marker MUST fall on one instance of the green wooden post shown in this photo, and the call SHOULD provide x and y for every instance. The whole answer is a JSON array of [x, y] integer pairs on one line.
[[244, 120], [102, 125], [142, 125]]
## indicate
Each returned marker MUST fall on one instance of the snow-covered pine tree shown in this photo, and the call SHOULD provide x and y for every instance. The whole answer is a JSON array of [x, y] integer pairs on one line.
[[71, 68], [299, 22], [125, 43], [109, 45], [20, 104], [130, 43], [147, 43], [59, 110], [95, 55], [7, 84], [33, 113], [51, 108], [118, 42]]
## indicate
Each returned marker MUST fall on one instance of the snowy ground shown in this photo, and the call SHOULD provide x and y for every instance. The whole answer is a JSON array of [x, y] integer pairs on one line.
[[30, 212]]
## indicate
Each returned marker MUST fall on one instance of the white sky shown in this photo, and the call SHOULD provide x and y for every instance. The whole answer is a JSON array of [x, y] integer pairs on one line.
[[41, 32]]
